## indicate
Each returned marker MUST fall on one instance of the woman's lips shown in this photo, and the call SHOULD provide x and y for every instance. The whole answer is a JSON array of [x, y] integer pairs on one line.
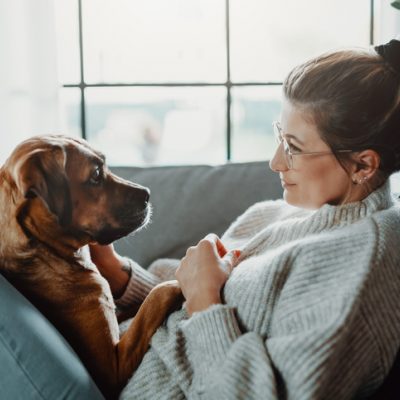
[[286, 184]]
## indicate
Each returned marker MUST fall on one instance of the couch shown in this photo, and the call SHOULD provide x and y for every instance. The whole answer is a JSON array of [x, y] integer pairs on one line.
[[189, 202]]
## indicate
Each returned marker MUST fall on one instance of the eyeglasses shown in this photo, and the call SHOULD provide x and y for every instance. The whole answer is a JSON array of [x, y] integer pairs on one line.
[[290, 150]]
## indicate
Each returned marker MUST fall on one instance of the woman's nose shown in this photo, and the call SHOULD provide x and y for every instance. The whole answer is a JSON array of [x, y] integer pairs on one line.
[[278, 162]]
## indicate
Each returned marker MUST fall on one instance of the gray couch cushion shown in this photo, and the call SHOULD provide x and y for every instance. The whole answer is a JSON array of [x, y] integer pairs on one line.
[[35, 360], [191, 201]]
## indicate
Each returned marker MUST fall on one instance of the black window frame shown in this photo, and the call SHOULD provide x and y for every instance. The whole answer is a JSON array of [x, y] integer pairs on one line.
[[228, 84]]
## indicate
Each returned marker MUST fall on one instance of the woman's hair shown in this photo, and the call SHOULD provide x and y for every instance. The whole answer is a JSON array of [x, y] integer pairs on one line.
[[353, 97]]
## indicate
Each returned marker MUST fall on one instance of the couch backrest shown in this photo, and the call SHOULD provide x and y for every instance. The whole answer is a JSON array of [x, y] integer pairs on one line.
[[191, 201]]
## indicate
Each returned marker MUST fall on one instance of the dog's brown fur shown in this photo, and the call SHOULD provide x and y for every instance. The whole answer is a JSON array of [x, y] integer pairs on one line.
[[51, 205]]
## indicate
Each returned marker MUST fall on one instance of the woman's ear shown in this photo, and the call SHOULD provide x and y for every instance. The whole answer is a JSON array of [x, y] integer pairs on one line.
[[366, 163]]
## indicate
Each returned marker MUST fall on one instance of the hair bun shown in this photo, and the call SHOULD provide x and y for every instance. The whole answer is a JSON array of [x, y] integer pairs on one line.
[[390, 52]]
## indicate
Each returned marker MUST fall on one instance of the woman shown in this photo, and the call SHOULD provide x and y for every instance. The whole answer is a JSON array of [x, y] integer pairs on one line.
[[311, 307]]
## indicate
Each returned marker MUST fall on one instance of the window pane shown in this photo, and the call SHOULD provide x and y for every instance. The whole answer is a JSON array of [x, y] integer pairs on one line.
[[387, 22], [149, 126], [70, 112], [66, 17], [253, 111], [268, 38], [154, 40]]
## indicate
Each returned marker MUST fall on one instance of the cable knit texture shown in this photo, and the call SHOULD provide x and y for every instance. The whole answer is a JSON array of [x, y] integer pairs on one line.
[[310, 312]]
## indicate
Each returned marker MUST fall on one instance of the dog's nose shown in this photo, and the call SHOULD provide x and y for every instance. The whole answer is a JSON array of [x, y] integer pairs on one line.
[[138, 194], [141, 194], [146, 195]]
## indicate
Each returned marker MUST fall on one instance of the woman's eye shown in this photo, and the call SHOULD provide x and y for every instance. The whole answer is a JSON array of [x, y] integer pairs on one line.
[[96, 176], [294, 148]]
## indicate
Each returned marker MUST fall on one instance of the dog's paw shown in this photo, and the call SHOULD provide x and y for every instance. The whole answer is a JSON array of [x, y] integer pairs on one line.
[[168, 295], [168, 288]]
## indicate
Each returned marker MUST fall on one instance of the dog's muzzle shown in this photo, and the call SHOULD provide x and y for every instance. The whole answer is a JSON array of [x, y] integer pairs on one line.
[[129, 224]]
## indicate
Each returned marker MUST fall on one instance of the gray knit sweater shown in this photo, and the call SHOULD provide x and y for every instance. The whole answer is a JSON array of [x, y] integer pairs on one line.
[[312, 311]]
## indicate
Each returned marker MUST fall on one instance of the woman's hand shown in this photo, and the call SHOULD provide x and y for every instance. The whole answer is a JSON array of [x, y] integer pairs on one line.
[[110, 266], [203, 272]]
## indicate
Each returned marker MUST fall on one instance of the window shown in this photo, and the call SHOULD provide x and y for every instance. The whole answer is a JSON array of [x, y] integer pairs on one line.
[[190, 81]]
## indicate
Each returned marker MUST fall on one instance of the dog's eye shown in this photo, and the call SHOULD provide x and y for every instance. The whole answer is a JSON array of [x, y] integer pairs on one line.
[[96, 176]]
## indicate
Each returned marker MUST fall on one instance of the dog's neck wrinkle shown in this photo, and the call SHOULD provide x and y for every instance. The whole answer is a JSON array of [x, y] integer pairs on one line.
[[60, 250]]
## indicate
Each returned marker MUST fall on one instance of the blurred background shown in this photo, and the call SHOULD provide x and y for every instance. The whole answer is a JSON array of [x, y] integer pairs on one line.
[[160, 82]]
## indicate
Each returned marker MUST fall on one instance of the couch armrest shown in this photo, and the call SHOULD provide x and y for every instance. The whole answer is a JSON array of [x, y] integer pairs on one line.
[[36, 362]]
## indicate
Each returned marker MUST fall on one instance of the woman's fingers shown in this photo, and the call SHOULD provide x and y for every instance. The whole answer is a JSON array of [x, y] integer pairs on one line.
[[219, 246], [203, 271], [231, 259]]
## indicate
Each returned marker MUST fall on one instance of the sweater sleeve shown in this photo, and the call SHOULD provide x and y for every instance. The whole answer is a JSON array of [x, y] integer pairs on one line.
[[139, 285], [321, 361]]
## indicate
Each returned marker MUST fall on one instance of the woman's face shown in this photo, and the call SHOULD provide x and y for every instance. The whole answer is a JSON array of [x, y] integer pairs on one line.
[[314, 180]]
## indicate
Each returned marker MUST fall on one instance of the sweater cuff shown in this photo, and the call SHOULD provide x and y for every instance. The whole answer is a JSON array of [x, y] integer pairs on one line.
[[139, 285], [209, 335]]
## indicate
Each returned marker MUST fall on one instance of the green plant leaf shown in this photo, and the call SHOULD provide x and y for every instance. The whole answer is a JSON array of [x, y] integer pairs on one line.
[[396, 4]]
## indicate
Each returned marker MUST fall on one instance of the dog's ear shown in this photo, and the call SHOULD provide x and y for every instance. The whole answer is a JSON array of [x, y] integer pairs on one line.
[[42, 174]]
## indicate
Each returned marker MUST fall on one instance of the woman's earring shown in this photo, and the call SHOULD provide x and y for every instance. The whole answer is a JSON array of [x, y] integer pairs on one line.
[[358, 181], [362, 180]]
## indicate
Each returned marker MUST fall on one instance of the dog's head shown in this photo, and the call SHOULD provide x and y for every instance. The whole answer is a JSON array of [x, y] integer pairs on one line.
[[63, 192]]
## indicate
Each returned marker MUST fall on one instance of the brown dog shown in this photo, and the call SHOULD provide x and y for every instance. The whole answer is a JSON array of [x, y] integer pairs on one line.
[[57, 195]]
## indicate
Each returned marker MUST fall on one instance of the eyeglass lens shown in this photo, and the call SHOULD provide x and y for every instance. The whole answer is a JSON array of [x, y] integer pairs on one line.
[[281, 140]]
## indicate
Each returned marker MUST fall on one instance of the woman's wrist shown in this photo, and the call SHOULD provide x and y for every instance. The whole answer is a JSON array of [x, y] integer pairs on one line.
[[202, 301]]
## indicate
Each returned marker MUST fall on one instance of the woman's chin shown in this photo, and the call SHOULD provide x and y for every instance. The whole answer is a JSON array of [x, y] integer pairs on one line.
[[297, 201], [289, 198], [294, 199]]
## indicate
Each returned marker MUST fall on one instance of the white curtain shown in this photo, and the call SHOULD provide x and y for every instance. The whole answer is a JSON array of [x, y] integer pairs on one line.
[[28, 71]]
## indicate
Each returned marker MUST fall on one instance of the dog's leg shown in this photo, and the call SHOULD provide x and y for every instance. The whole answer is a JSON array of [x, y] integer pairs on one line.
[[161, 301], [95, 336], [123, 315]]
